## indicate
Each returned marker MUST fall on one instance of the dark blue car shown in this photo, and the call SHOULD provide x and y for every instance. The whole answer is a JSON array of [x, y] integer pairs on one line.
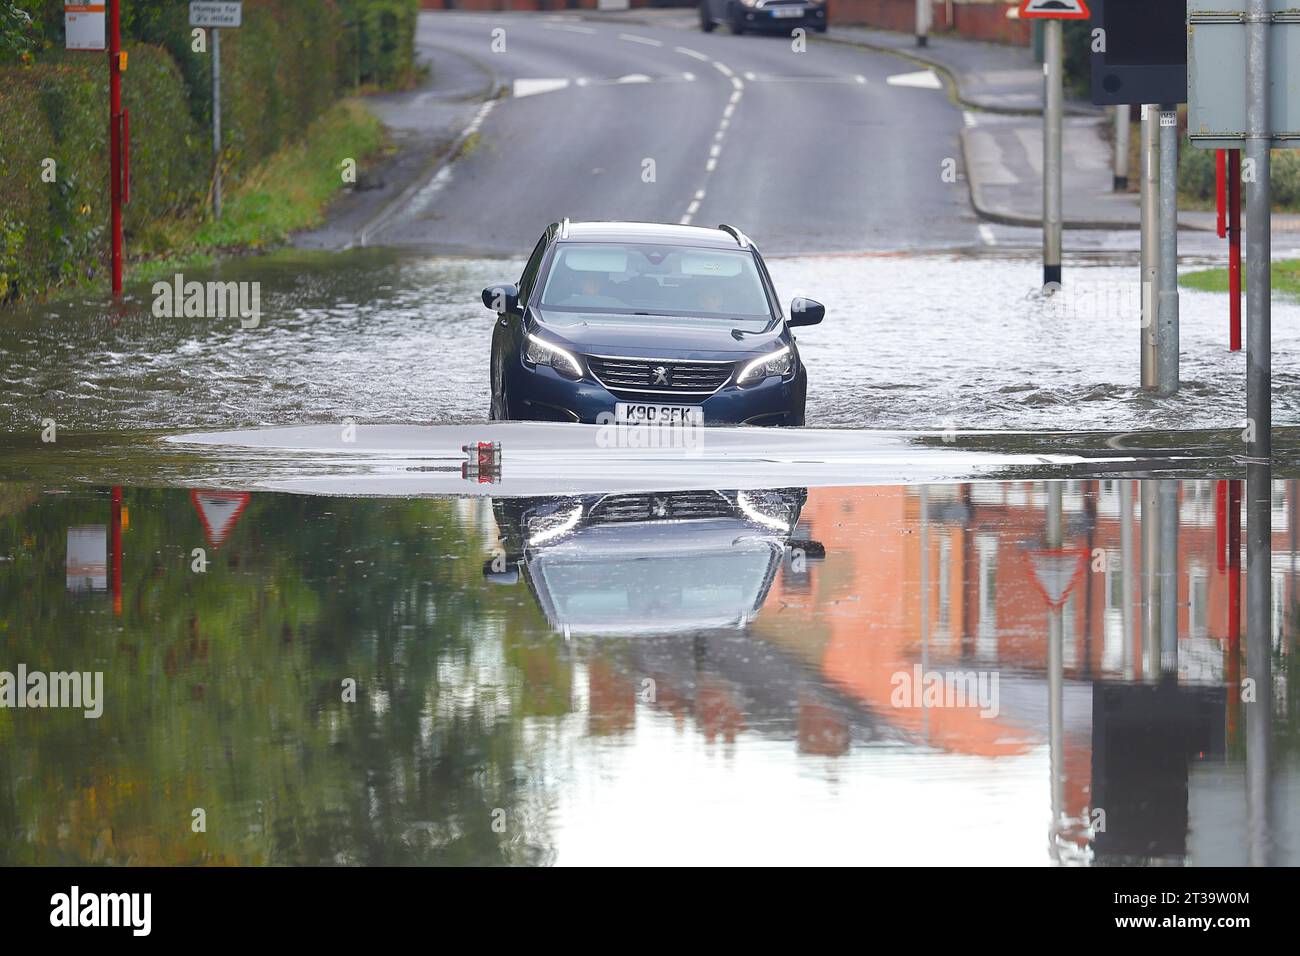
[[628, 322]]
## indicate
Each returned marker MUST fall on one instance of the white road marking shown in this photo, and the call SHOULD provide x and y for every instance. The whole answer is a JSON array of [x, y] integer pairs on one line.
[[986, 234], [581, 81], [480, 116], [804, 78], [699, 194], [711, 165], [689, 52], [723, 68], [688, 77], [920, 80], [633, 78], [531, 87], [968, 118], [632, 38], [566, 26]]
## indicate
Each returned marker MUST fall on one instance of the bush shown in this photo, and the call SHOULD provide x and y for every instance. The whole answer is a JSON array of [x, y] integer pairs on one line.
[[58, 110], [25, 229], [281, 70], [1196, 177], [381, 41]]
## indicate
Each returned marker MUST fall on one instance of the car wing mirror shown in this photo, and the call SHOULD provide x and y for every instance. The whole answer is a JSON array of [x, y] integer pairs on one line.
[[806, 311], [501, 298]]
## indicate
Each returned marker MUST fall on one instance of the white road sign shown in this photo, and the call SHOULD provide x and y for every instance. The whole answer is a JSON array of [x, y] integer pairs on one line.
[[83, 24], [211, 13], [1054, 9]]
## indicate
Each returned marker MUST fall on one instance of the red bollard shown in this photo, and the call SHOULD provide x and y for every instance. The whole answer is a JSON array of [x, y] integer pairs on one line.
[[1234, 250]]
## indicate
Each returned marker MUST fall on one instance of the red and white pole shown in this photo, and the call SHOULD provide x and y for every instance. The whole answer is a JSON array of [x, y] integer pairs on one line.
[[115, 136]]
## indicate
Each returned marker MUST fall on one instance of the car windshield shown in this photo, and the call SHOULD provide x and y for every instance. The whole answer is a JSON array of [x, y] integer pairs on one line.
[[612, 279]]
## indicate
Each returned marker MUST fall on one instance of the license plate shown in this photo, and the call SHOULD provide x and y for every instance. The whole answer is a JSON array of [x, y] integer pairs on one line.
[[636, 413], [784, 12]]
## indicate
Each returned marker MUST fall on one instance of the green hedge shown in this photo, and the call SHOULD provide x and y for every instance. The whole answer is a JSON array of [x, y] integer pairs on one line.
[[57, 109], [288, 62], [1196, 175], [381, 36]]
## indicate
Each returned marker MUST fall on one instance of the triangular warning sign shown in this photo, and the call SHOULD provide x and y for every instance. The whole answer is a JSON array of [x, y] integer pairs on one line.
[[1055, 573], [219, 510], [1054, 9]]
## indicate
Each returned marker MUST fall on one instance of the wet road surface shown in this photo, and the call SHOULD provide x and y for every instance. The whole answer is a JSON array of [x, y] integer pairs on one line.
[[911, 342]]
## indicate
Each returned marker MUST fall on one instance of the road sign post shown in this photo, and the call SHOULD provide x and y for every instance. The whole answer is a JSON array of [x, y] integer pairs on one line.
[[1254, 109], [922, 22], [216, 16], [1150, 262], [1167, 302], [1053, 11], [1139, 58], [1122, 121]]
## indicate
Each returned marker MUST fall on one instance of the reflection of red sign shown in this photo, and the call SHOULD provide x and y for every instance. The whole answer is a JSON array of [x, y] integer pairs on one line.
[[1055, 572], [219, 510], [1054, 9]]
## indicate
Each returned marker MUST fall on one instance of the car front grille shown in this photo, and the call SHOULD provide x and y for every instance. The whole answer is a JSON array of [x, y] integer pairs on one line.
[[659, 377], [677, 505]]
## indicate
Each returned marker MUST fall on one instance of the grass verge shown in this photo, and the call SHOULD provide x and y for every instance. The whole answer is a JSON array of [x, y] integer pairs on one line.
[[288, 191], [1286, 278]]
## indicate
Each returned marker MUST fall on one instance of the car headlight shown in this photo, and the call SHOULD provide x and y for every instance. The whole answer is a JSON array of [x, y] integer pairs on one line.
[[779, 362], [541, 352]]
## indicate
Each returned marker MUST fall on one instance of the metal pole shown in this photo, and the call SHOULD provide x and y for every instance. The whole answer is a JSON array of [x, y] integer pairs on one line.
[[1150, 261], [1259, 645], [1167, 303], [922, 22], [115, 139], [1125, 489], [1055, 672], [1122, 121], [1168, 492], [1053, 106], [1259, 366], [216, 122], [1151, 579]]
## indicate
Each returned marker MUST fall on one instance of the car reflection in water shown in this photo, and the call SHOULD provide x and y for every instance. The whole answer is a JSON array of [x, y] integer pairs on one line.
[[652, 563]]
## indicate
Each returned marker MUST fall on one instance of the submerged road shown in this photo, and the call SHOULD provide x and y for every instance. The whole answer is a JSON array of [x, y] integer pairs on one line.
[[808, 152]]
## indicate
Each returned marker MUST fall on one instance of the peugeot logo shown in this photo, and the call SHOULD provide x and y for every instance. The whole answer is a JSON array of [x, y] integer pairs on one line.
[[660, 374]]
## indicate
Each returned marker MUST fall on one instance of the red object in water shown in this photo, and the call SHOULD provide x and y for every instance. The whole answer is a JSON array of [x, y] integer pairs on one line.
[[484, 464], [1221, 525], [1234, 250], [116, 525]]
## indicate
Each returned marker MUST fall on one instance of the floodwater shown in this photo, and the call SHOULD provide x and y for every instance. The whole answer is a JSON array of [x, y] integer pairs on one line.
[[823, 645], [909, 342], [990, 673]]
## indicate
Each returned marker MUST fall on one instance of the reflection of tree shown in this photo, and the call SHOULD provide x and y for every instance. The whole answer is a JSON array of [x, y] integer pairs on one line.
[[223, 690]]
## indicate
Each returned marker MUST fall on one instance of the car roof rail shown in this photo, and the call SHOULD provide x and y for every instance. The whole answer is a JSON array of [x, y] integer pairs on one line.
[[741, 239], [564, 228]]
